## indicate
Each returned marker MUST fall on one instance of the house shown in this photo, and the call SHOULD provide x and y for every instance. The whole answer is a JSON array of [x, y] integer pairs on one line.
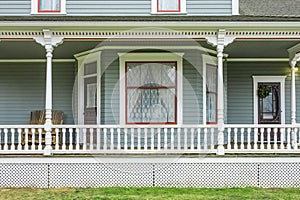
[[141, 83]]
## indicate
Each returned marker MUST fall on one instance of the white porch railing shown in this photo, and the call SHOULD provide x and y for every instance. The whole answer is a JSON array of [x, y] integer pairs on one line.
[[115, 139]]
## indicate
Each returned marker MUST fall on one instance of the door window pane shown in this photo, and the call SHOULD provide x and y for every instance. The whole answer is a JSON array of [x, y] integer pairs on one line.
[[211, 94]]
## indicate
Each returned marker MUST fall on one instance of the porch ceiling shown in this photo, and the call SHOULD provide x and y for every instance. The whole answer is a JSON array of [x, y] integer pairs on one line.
[[238, 49]]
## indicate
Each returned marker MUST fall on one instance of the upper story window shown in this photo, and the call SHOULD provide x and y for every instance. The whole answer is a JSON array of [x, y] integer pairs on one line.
[[168, 6], [48, 7]]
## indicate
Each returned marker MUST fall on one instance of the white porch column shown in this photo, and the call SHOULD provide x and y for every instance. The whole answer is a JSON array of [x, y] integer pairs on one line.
[[220, 41], [294, 61], [48, 42]]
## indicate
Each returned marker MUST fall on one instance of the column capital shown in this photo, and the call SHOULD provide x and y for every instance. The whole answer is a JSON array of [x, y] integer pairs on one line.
[[48, 39], [221, 39]]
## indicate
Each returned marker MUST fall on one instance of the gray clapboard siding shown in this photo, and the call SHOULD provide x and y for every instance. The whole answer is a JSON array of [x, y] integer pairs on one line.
[[205, 7], [240, 89], [117, 7], [22, 89], [16, 7]]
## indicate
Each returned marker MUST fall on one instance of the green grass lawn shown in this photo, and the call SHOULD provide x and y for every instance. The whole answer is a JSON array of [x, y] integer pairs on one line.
[[150, 193]]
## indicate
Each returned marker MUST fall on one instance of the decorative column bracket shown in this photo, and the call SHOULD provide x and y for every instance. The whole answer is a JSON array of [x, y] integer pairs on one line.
[[49, 42], [221, 40]]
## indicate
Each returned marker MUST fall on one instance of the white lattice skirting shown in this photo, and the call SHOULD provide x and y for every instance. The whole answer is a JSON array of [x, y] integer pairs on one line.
[[150, 172]]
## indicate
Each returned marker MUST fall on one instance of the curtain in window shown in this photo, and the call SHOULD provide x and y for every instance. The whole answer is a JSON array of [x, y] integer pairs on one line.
[[168, 5], [211, 96], [151, 92], [50, 5]]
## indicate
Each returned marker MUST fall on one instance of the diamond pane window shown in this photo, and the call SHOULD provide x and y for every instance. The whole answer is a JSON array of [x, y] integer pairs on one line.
[[49, 6], [211, 94], [151, 92]]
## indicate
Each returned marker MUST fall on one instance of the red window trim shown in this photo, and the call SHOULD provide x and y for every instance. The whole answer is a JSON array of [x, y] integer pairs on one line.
[[179, 8], [131, 87], [216, 94], [48, 11]]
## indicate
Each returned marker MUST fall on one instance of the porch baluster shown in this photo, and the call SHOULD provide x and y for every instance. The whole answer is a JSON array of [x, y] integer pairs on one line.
[[205, 138], [229, 138], [26, 139], [242, 139], [152, 139], [5, 139], [282, 130], [132, 139], [32, 139], [212, 135], [19, 139], [296, 138], [112, 130], [119, 139], [64, 139], [269, 138], [198, 139], [12, 147], [77, 139], [192, 138], [91, 146], [235, 146], [262, 131], [84, 139], [98, 138], [139, 138], [172, 139], [288, 144], [248, 139], [145, 138], [255, 138], [165, 139], [125, 139], [275, 139], [185, 138], [158, 138], [56, 139], [104, 139], [179, 138], [70, 139]]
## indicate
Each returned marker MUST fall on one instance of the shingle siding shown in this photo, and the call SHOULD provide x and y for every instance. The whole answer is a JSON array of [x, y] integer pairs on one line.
[[270, 7]]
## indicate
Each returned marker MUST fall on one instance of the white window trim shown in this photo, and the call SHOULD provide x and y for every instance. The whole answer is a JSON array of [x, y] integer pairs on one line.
[[206, 59], [154, 8], [82, 60], [235, 7], [257, 79], [35, 10], [142, 57]]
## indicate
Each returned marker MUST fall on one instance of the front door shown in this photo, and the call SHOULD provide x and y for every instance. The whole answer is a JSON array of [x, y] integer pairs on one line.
[[269, 104]]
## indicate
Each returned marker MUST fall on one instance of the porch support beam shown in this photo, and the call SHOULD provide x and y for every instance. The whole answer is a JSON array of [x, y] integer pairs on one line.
[[49, 43], [293, 87], [221, 41]]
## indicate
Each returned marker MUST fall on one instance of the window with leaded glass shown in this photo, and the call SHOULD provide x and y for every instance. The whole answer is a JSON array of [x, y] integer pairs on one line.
[[151, 92], [211, 94]]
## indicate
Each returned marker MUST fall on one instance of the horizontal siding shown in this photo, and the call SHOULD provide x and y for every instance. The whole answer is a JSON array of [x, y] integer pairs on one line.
[[16, 7], [205, 7], [22, 89], [118, 7], [240, 89]]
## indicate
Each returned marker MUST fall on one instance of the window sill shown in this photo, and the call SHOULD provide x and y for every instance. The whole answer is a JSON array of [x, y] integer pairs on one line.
[[168, 13]]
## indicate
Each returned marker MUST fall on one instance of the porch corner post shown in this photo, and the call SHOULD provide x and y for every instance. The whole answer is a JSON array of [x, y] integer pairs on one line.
[[221, 150], [293, 98], [49, 42]]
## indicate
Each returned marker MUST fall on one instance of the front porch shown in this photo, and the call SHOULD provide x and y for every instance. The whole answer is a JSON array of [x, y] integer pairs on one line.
[[151, 140]]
